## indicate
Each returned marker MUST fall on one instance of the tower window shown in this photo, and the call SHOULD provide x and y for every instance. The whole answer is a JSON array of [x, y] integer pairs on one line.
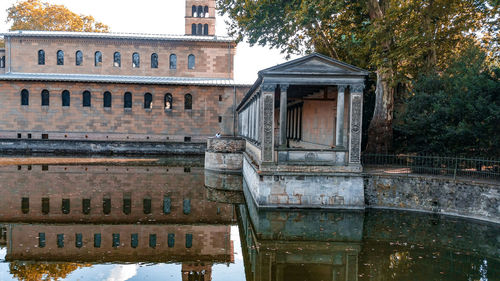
[[136, 60], [41, 57], [168, 101], [148, 100], [45, 98], [206, 11], [78, 58], [200, 12], [199, 29], [194, 13], [205, 29], [117, 59], [188, 101], [65, 97], [193, 29], [60, 57], [127, 100], [154, 60], [25, 97], [98, 58], [107, 99], [173, 61], [191, 61], [86, 99]]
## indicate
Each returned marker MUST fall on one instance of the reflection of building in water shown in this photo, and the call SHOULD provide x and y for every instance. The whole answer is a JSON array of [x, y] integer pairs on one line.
[[108, 194], [287, 246]]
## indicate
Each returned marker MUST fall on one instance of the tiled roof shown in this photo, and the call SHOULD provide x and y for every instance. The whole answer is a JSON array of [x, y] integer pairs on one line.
[[112, 35], [120, 79]]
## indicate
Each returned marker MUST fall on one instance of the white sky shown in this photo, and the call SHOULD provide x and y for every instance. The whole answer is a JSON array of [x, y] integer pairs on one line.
[[161, 17]]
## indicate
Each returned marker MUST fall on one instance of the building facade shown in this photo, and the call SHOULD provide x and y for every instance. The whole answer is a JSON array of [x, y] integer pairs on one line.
[[120, 87]]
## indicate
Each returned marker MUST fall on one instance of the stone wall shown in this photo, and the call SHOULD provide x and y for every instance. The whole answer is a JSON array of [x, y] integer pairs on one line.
[[432, 194]]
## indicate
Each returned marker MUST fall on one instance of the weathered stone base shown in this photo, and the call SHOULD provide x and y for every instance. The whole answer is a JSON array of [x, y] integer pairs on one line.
[[224, 154], [100, 147], [304, 190]]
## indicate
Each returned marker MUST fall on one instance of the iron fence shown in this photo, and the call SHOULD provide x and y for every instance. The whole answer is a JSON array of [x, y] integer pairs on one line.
[[435, 165]]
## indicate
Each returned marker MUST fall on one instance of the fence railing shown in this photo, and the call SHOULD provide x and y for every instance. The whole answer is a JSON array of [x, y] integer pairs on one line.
[[435, 165]]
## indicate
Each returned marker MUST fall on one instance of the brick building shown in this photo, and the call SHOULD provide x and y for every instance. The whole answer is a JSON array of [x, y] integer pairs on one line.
[[120, 87]]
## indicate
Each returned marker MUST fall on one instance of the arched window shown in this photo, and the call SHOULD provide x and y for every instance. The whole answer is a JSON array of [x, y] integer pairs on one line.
[[194, 14], [193, 29], [127, 100], [45, 98], [107, 99], [154, 60], [86, 99], [200, 11], [25, 97], [78, 58], [206, 11], [148, 100], [60, 57], [98, 58], [65, 97], [188, 101], [41, 57], [117, 59], [191, 61], [173, 61], [199, 29], [205, 29], [167, 101], [136, 60]]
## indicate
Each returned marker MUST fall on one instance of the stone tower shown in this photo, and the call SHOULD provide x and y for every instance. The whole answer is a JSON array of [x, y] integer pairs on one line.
[[200, 17]]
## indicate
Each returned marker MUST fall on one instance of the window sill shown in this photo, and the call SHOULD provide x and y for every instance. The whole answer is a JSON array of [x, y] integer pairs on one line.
[[148, 109], [168, 110], [107, 108]]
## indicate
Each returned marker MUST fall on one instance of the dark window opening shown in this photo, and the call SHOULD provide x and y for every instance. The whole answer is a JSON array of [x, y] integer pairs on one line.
[[206, 11], [134, 240], [148, 100], [187, 169], [98, 58], [167, 204], [152, 240], [65, 98], [97, 240], [78, 58], [45, 136], [60, 57], [220, 97], [205, 29], [191, 61], [168, 101], [65, 206], [173, 61], [78, 240], [29, 136], [220, 119], [193, 29], [200, 11], [186, 206], [127, 100], [135, 60], [171, 240], [189, 240], [86, 99], [154, 60], [25, 97], [60, 240], [41, 239], [18, 136], [41, 57], [107, 99], [45, 98], [194, 13], [146, 204], [45, 167], [188, 101], [187, 139], [127, 205], [2, 62], [117, 59], [116, 240], [199, 29], [25, 205], [106, 205], [86, 206]]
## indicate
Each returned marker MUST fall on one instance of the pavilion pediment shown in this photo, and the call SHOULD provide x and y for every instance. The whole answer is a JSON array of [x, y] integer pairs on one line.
[[315, 64]]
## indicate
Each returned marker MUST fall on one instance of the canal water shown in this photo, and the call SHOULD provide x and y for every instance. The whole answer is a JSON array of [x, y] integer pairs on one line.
[[168, 219]]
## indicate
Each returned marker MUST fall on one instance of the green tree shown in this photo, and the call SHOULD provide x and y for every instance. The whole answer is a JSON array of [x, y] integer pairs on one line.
[[456, 112], [397, 39], [37, 15]]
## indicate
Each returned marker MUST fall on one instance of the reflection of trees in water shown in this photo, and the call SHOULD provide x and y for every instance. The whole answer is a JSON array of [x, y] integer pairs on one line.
[[25, 271]]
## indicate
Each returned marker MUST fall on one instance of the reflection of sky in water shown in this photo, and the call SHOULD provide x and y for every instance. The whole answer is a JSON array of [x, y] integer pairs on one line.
[[222, 272]]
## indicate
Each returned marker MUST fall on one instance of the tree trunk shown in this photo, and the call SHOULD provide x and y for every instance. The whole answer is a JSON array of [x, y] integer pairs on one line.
[[380, 129]]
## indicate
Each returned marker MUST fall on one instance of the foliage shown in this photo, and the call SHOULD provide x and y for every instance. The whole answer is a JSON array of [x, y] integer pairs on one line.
[[455, 112], [25, 271], [37, 15]]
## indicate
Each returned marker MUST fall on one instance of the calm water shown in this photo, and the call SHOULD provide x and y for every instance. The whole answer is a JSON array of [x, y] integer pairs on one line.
[[169, 220]]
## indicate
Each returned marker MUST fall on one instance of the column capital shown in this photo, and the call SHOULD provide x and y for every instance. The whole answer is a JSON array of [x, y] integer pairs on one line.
[[342, 87], [284, 87], [357, 88], [268, 87]]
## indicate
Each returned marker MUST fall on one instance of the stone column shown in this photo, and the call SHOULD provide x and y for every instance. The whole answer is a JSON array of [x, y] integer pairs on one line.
[[339, 128], [283, 111], [355, 123], [267, 122]]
